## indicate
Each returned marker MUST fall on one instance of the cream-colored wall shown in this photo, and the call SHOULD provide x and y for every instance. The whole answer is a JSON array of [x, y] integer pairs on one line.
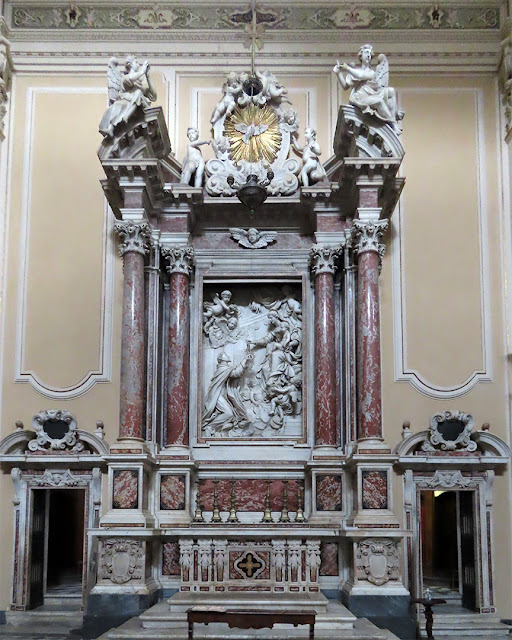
[[59, 244]]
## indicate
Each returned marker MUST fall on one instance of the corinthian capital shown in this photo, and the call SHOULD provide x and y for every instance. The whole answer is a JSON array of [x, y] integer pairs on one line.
[[367, 236], [323, 259], [180, 259], [134, 237]]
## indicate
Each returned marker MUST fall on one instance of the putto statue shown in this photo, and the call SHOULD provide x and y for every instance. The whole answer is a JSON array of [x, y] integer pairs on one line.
[[312, 170], [370, 87], [193, 164], [127, 90]]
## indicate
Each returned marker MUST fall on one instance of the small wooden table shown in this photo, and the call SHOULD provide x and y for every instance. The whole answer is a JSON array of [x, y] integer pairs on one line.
[[428, 603], [249, 619]]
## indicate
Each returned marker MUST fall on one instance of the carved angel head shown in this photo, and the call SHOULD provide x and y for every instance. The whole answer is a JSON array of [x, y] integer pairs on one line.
[[365, 53]]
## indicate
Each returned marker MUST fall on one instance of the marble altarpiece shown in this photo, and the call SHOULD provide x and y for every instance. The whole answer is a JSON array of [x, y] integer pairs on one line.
[[250, 460]]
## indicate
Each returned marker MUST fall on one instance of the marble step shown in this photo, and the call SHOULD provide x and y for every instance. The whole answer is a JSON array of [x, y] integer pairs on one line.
[[133, 630], [465, 625], [161, 617]]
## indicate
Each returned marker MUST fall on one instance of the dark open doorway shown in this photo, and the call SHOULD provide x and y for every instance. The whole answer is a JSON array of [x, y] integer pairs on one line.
[[448, 546], [65, 539], [57, 543]]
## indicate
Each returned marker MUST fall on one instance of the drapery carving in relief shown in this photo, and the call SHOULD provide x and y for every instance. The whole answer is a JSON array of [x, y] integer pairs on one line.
[[252, 364]]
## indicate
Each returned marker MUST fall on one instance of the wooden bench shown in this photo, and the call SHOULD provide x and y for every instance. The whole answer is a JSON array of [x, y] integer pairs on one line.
[[249, 619]]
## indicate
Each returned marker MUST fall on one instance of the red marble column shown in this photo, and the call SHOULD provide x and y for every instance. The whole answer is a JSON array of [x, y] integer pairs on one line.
[[323, 265], [181, 261], [134, 244], [369, 393]]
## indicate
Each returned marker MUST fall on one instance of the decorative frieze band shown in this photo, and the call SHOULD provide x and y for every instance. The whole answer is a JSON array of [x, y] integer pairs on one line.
[[134, 237], [367, 236], [180, 259], [324, 259]]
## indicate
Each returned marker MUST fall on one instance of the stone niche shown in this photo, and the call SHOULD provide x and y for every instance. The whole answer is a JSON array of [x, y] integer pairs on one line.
[[251, 366]]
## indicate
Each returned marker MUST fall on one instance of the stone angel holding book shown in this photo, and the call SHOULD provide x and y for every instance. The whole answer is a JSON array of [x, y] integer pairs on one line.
[[370, 90], [127, 90]]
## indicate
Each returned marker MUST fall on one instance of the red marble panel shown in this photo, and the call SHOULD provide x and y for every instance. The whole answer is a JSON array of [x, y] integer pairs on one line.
[[249, 494], [328, 493], [329, 559], [375, 489], [126, 489], [172, 493]]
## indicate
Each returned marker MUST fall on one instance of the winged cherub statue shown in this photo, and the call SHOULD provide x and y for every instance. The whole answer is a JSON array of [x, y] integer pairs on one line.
[[370, 87], [252, 238], [127, 90]]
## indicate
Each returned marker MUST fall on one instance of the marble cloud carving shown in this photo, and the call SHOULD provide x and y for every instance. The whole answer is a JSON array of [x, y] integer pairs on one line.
[[252, 373]]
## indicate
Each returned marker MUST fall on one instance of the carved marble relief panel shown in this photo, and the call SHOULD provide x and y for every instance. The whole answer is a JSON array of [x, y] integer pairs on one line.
[[171, 559], [125, 493], [328, 493], [172, 492], [251, 367], [375, 489]]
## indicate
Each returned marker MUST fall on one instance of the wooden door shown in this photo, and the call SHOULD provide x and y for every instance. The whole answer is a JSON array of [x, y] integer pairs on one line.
[[37, 548], [467, 548]]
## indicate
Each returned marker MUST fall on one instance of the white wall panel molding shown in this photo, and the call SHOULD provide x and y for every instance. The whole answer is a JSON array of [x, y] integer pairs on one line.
[[403, 372], [103, 373]]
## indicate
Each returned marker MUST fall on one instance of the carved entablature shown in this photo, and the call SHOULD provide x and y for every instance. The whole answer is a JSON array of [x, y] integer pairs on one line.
[[450, 443]]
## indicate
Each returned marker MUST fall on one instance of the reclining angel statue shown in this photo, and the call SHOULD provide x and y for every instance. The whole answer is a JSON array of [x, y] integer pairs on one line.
[[370, 87], [126, 91]]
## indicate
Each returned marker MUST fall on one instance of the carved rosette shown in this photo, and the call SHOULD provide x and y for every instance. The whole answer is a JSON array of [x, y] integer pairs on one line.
[[44, 442], [367, 236], [135, 237], [324, 259], [377, 561], [121, 560], [180, 259]]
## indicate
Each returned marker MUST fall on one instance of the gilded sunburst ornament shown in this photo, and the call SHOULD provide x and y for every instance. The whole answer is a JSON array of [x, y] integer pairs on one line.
[[253, 133]]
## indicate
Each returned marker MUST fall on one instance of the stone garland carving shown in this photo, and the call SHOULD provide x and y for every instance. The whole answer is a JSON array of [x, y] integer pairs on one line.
[[324, 259], [58, 479], [134, 237], [370, 90], [463, 441], [180, 259], [505, 80], [445, 480], [5, 75], [43, 442], [252, 238], [121, 560], [127, 90], [258, 393], [426, 16], [367, 236], [377, 561]]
